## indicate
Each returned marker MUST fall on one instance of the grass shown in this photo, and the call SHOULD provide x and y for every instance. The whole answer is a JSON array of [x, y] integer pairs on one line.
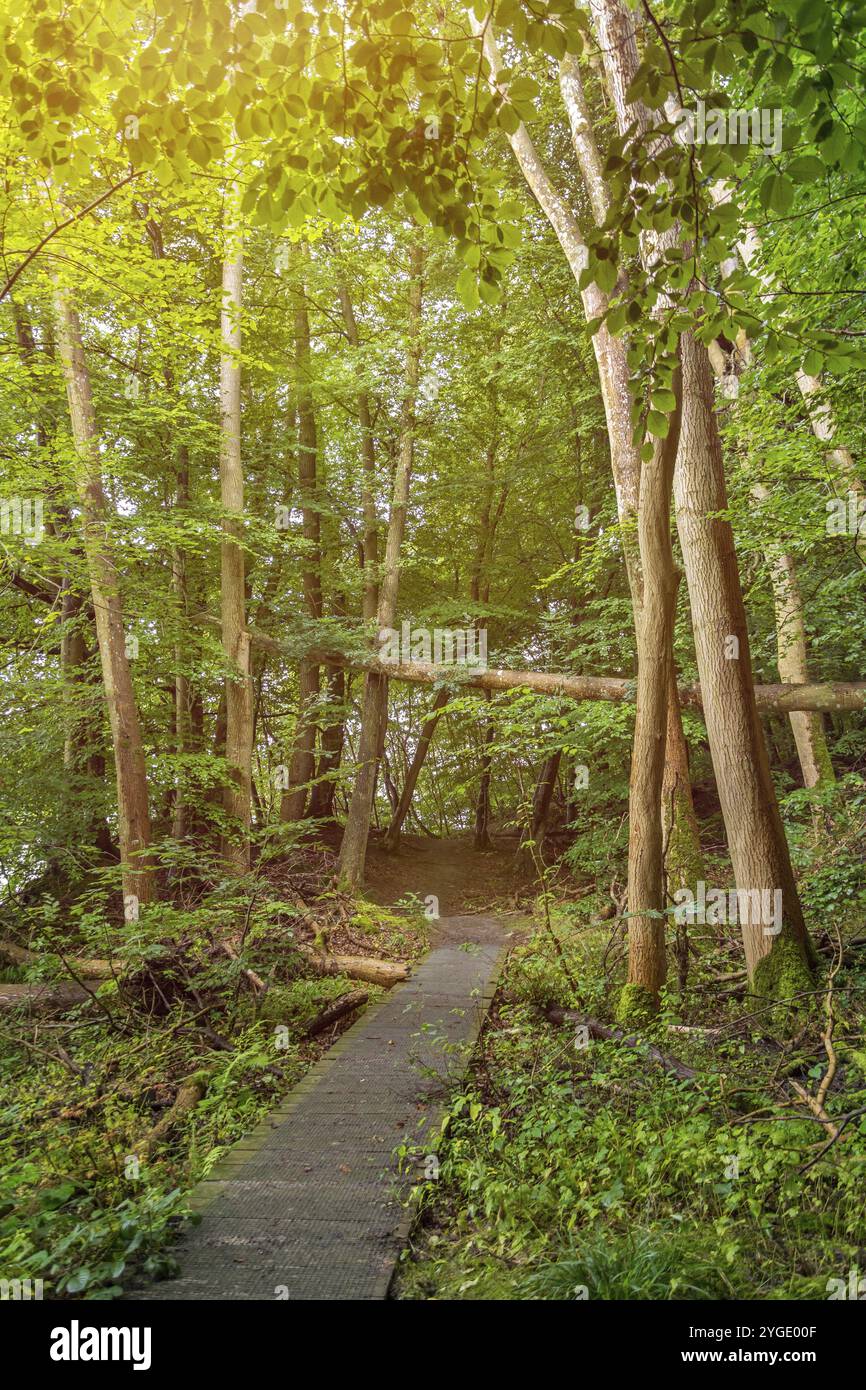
[[572, 1171]]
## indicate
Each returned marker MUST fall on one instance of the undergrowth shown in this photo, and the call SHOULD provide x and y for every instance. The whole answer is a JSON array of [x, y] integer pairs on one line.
[[572, 1168], [84, 1206]]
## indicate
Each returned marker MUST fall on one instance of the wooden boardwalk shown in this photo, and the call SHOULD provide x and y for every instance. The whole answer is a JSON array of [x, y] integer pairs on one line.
[[310, 1205]]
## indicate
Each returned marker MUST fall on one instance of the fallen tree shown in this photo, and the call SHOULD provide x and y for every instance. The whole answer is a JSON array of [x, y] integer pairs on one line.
[[190, 1093], [601, 1032], [91, 969], [375, 972], [47, 998], [826, 696], [334, 1012], [92, 972]]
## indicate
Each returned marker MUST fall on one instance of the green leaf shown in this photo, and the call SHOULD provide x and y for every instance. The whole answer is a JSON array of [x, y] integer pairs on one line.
[[777, 193], [806, 168], [467, 289]]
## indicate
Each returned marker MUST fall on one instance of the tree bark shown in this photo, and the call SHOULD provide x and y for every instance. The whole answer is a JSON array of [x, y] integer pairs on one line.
[[235, 638], [792, 658], [132, 793], [824, 429], [792, 661], [610, 352], [647, 959], [353, 850], [482, 804], [679, 822], [683, 859], [369, 968], [321, 805], [830, 696], [541, 799], [303, 754], [182, 730], [756, 837], [370, 547], [83, 761]]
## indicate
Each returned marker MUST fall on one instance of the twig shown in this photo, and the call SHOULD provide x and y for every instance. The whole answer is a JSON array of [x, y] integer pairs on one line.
[[76, 217], [61, 1055]]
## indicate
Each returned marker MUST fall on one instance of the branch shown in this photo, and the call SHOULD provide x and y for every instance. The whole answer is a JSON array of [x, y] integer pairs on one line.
[[76, 217]]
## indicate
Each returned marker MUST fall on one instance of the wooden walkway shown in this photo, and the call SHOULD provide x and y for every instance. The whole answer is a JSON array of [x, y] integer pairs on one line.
[[310, 1205]]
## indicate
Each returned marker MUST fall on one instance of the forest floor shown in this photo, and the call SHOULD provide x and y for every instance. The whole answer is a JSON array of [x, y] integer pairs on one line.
[[88, 1198], [569, 1168], [575, 1167]]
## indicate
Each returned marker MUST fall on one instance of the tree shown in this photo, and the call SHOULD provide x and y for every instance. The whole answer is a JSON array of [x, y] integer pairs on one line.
[[235, 639], [132, 793], [350, 865]]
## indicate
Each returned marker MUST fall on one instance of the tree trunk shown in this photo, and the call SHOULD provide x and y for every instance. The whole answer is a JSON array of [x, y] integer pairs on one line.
[[428, 728], [353, 850], [82, 757], [182, 739], [792, 659], [235, 637], [824, 429], [541, 799], [756, 837], [682, 837], [370, 549], [132, 797], [482, 804], [647, 960], [303, 754], [322, 796], [832, 697], [683, 860]]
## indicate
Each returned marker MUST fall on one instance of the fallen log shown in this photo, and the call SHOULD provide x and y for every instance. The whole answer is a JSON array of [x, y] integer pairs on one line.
[[827, 696], [375, 972], [49, 997], [190, 1093], [334, 1012], [368, 968], [605, 1034], [91, 969]]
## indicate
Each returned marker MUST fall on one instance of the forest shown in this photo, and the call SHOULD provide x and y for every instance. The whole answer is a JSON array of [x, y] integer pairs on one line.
[[433, 568]]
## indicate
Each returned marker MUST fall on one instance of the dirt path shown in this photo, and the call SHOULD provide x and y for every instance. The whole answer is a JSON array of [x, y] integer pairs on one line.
[[451, 870]]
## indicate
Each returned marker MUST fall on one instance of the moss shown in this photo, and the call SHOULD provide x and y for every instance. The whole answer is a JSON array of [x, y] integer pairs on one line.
[[785, 972], [200, 1078], [636, 1003], [684, 862]]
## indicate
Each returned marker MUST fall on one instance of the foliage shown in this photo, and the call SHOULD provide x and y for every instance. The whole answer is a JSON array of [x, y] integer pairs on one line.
[[572, 1171]]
